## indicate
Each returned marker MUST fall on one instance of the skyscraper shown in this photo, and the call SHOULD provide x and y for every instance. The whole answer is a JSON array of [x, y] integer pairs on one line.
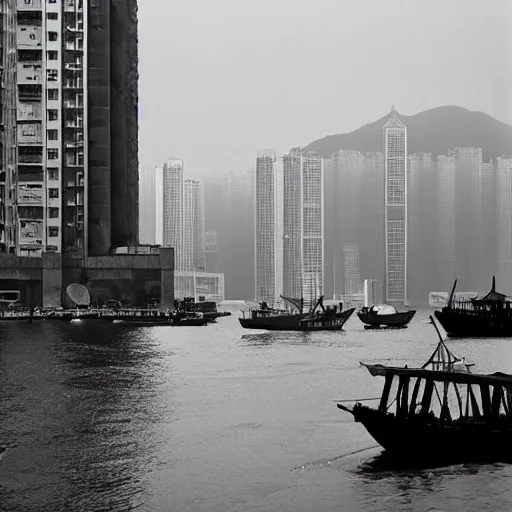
[[159, 205], [303, 225], [173, 209], [229, 212], [193, 227], [445, 222], [504, 222], [69, 175], [267, 228], [395, 172], [147, 209]]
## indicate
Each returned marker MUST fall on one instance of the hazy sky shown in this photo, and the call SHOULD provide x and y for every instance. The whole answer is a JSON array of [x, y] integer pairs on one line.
[[221, 79]]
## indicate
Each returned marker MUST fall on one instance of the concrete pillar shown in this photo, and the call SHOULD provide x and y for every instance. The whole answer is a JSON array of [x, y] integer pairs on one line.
[[52, 280], [167, 278]]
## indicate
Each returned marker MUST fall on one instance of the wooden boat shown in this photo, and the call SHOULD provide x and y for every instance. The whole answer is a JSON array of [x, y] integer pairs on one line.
[[440, 412], [384, 315], [319, 318], [490, 316]]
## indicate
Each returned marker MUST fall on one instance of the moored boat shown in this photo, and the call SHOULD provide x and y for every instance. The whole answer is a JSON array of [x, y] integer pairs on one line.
[[384, 315], [319, 318], [487, 317], [440, 412]]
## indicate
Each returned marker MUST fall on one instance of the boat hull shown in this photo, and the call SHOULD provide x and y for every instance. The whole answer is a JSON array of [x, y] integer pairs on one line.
[[273, 323], [465, 324], [297, 322], [394, 320], [416, 438]]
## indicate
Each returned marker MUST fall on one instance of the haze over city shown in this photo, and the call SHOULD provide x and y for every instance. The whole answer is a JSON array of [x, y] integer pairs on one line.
[[221, 80], [219, 220]]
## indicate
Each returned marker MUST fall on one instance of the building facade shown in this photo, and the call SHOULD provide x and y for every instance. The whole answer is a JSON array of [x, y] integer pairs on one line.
[[303, 225], [267, 229], [203, 286], [147, 206], [172, 209], [193, 226], [395, 202], [445, 222], [504, 223], [69, 177], [229, 213]]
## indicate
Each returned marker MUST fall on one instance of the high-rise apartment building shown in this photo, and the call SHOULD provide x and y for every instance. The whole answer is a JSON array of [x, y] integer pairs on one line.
[[445, 223], [229, 212], [395, 172], [211, 249], [267, 228], [303, 225], [193, 227], [159, 205], [173, 209], [504, 223], [351, 275], [147, 209], [69, 174]]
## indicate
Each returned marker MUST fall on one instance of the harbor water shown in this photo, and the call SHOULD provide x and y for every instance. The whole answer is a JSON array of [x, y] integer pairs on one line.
[[100, 417]]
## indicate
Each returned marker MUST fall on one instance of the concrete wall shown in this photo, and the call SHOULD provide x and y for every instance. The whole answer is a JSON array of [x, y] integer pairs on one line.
[[131, 278]]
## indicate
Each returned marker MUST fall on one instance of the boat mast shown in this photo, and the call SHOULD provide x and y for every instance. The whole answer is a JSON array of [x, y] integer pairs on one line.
[[450, 299]]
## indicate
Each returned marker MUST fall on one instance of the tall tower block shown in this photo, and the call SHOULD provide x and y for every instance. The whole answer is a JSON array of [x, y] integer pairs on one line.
[[395, 208]]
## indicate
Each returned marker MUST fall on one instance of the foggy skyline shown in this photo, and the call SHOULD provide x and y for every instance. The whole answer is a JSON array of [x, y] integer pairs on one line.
[[221, 80]]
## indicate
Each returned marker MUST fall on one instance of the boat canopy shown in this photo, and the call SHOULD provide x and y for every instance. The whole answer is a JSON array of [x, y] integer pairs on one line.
[[383, 309], [498, 378]]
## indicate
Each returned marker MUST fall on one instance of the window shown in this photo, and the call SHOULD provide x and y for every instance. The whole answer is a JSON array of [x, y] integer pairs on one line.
[[51, 75], [53, 135], [53, 193], [53, 154], [53, 94], [52, 55], [53, 173], [52, 16], [53, 231], [53, 36], [53, 115], [53, 213]]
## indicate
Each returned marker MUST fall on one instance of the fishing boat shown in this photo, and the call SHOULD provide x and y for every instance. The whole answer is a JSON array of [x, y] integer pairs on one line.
[[489, 316], [384, 315], [319, 318], [440, 412], [274, 319]]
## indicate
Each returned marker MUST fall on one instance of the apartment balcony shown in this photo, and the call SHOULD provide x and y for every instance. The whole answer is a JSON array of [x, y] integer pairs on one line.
[[73, 66], [31, 159], [73, 5], [75, 46], [75, 124], [74, 144], [77, 29], [73, 104], [75, 184], [74, 202], [77, 83], [29, 92], [74, 164]]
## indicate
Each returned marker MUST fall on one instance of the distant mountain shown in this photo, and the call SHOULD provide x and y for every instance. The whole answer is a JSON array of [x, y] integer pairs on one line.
[[433, 131]]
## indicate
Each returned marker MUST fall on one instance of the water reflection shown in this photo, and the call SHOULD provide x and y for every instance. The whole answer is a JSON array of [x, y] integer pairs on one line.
[[269, 338], [79, 416]]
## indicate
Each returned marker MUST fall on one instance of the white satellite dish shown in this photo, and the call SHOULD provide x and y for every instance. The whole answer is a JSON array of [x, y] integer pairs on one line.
[[79, 294]]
